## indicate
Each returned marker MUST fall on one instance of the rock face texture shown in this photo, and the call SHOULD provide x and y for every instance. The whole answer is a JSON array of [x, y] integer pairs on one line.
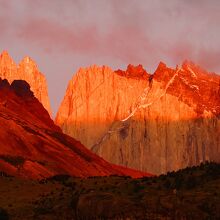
[[156, 123], [27, 70], [32, 146]]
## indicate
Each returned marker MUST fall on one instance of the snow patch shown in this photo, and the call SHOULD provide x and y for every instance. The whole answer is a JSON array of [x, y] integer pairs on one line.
[[194, 87], [192, 72], [187, 83]]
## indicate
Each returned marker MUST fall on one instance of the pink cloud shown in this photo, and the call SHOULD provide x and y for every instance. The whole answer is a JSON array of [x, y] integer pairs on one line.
[[54, 36], [136, 33], [209, 59], [4, 21], [127, 43]]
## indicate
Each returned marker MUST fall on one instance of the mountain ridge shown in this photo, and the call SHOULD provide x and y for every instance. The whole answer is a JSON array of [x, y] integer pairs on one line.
[[131, 117]]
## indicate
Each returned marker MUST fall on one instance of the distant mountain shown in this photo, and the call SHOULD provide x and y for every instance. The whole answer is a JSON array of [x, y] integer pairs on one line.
[[32, 146], [156, 123], [27, 70]]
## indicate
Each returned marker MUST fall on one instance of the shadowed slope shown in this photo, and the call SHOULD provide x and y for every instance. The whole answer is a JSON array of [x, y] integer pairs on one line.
[[32, 146]]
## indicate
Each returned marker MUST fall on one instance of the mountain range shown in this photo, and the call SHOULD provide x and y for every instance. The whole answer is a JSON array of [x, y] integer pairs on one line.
[[151, 122], [32, 146], [154, 123]]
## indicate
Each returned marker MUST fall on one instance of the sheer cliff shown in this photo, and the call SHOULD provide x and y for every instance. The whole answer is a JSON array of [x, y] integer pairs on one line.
[[156, 123]]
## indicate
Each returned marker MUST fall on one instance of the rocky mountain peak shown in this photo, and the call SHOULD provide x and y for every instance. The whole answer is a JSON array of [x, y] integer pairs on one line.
[[132, 71], [161, 66], [163, 73], [28, 61], [157, 125], [29, 66], [7, 65], [5, 57], [27, 70]]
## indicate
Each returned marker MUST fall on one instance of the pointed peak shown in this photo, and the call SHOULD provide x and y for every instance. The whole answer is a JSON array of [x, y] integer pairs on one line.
[[137, 69], [163, 72], [5, 53], [28, 60], [161, 66], [188, 64], [6, 57], [133, 71]]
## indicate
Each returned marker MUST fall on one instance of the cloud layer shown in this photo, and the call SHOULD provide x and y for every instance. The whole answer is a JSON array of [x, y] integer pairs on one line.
[[64, 35]]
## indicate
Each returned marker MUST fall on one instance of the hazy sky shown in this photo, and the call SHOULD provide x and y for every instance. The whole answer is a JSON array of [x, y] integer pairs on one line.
[[62, 35]]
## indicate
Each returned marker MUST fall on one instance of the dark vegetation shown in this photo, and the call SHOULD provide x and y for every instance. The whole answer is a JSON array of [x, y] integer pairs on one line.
[[3, 214], [191, 193]]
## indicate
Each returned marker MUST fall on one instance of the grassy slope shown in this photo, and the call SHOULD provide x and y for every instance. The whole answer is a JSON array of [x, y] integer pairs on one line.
[[192, 193]]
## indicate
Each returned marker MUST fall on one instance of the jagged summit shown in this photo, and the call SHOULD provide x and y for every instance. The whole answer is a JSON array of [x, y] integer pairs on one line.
[[7, 65], [161, 66], [27, 70], [133, 71], [28, 60], [5, 54], [162, 71], [29, 66]]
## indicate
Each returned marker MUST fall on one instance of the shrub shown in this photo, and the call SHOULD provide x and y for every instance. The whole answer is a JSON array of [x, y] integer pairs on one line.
[[167, 184], [59, 178], [3, 214], [191, 182]]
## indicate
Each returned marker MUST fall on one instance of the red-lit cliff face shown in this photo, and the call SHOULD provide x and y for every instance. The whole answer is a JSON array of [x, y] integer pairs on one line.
[[32, 146], [27, 70], [156, 123]]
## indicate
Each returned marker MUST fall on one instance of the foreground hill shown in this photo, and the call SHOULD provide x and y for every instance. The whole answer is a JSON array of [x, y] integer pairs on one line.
[[32, 146], [157, 123], [192, 193]]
